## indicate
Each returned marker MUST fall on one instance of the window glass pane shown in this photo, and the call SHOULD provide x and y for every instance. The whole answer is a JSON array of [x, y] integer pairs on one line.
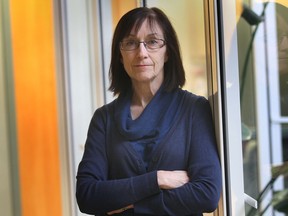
[[263, 70], [284, 136], [248, 105], [282, 37], [191, 34]]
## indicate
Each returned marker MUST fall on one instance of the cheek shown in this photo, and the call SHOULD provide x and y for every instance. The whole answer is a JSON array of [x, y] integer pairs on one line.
[[164, 56], [126, 61], [162, 59]]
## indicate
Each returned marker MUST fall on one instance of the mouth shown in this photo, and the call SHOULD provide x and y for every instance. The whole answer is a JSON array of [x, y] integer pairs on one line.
[[142, 66]]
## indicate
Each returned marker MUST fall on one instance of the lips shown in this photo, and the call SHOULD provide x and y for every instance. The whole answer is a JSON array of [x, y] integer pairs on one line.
[[142, 65]]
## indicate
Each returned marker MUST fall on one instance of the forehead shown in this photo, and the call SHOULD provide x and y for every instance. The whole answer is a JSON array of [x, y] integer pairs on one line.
[[149, 27]]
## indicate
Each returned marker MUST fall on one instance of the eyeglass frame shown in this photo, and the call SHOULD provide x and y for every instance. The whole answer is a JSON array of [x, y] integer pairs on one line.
[[144, 43]]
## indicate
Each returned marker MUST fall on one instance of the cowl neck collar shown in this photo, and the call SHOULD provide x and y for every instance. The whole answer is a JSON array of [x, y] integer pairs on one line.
[[154, 121]]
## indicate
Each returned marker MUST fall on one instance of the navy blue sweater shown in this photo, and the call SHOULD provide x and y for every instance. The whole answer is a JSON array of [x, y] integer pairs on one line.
[[122, 156]]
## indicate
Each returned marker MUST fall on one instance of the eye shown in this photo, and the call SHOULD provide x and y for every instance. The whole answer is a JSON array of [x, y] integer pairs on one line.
[[152, 42], [129, 43]]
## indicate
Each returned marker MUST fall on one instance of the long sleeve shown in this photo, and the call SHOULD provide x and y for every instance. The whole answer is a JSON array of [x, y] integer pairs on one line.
[[111, 174], [202, 193], [95, 193]]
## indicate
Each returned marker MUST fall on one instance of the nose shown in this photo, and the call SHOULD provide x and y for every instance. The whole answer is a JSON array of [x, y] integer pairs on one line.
[[142, 51]]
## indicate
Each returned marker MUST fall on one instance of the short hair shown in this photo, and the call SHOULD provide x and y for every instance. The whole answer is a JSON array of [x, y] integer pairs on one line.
[[174, 74]]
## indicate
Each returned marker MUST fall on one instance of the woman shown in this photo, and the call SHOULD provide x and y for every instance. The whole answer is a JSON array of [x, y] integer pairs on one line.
[[151, 151]]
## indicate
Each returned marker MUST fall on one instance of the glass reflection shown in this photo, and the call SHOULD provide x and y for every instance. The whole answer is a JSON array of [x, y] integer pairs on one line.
[[252, 148], [246, 33], [282, 33]]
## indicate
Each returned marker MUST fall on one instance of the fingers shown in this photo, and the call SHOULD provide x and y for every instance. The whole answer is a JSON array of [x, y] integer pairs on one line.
[[120, 210]]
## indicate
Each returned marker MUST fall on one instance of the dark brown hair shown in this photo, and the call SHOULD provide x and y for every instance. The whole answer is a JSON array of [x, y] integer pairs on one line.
[[174, 75]]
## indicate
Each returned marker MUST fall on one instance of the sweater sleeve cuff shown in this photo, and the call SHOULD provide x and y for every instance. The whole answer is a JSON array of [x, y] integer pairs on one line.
[[152, 202], [146, 185]]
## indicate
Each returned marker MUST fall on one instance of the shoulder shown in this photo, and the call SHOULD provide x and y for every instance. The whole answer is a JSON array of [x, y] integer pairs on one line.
[[192, 99], [195, 106], [105, 111]]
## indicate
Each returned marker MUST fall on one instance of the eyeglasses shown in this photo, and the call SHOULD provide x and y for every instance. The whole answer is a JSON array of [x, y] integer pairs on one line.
[[153, 44]]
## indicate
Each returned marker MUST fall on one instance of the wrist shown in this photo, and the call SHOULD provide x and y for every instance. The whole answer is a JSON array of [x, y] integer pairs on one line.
[[160, 178]]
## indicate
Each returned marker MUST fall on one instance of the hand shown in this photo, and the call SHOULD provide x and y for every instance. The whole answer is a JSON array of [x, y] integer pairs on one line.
[[172, 179], [120, 210]]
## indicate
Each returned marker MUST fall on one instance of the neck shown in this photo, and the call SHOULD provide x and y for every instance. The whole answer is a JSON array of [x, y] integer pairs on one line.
[[142, 94]]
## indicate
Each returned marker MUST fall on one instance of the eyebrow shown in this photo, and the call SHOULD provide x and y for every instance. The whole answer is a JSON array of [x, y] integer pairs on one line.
[[149, 35]]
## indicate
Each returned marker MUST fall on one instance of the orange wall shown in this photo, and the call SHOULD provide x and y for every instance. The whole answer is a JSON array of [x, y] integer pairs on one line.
[[36, 108], [120, 7]]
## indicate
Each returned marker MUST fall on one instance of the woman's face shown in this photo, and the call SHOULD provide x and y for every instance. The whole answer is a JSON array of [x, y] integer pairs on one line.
[[144, 65]]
